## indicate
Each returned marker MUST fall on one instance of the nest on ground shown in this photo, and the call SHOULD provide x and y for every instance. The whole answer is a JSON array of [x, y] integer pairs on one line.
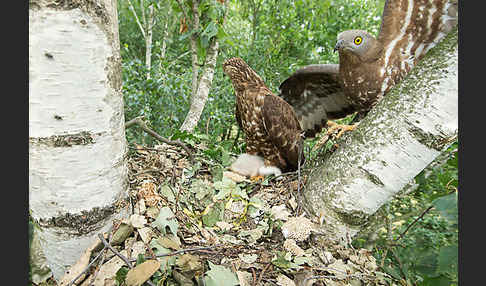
[[200, 226]]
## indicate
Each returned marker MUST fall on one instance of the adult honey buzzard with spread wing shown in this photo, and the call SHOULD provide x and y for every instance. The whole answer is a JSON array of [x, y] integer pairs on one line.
[[368, 68], [269, 123]]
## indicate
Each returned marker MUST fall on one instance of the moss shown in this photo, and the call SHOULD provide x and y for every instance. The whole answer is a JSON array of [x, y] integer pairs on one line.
[[85, 222], [82, 138]]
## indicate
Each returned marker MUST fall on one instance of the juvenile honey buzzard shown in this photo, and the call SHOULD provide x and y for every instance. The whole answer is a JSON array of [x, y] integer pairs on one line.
[[269, 123]]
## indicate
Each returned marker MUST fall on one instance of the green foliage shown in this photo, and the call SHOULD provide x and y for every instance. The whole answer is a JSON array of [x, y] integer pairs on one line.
[[287, 34], [219, 275]]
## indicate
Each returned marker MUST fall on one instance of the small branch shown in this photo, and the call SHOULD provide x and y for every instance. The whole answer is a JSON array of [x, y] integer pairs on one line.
[[127, 262], [138, 120], [181, 251], [261, 274], [415, 221], [136, 18], [86, 269]]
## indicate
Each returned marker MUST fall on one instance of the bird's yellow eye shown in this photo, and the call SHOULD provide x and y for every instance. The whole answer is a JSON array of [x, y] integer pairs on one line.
[[358, 40]]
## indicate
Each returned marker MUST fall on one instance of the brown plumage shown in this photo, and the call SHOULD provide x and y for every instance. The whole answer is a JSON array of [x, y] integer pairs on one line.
[[269, 123], [368, 68]]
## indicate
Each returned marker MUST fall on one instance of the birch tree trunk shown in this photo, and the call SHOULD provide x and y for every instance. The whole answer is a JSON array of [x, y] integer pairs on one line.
[[193, 42], [146, 28], [199, 101], [148, 40], [77, 145], [405, 132]]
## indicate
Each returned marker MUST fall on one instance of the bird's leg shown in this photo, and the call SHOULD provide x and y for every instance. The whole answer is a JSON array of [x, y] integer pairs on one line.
[[332, 126]]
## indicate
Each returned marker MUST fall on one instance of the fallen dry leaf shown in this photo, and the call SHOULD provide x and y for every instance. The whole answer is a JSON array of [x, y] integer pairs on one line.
[[283, 280], [142, 272], [109, 269], [137, 221], [80, 265], [146, 233], [170, 241], [245, 278], [280, 212], [148, 192], [298, 228], [291, 245], [224, 226], [188, 262]]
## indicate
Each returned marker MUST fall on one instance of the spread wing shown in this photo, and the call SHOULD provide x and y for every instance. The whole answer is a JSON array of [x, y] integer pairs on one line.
[[409, 28], [316, 95], [283, 128]]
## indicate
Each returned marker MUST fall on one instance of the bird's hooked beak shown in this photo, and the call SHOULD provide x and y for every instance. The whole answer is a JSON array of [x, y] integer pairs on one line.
[[338, 45]]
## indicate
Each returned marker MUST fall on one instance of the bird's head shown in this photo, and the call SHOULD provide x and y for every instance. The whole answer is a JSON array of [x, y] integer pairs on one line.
[[359, 43], [233, 66], [240, 72]]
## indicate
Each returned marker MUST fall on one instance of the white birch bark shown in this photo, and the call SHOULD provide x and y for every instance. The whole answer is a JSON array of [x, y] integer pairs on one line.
[[193, 42], [147, 30], [403, 134], [77, 145], [148, 40], [199, 101]]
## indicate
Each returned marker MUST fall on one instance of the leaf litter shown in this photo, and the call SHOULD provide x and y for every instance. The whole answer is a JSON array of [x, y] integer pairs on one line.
[[223, 228]]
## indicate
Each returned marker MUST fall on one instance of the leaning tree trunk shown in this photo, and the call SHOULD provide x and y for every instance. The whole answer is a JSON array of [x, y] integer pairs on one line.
[[77, 146], [199, 100], [407, 129]]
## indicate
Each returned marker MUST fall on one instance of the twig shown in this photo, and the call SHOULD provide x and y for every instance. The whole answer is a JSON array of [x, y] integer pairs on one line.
[[136, 18], [182, 251], [86, 269], [261, 274], [400, 266], [254, 276], [138, 120], [415, 221], [110, 236], [127, 262]]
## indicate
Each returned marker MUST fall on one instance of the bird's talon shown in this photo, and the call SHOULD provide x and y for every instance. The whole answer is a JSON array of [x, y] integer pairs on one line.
[[257, 178]]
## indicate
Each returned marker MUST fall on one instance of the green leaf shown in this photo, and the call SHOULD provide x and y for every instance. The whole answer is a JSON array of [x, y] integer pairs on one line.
[[210, 31], [121, 274], [201, 189], [167, 193], [447, 207], [281, 261], [225, 187], [437, 281], [214, 215], [140, 258], [166, 261], [220, 276], [427, 264], [448, 256], [166, 218]]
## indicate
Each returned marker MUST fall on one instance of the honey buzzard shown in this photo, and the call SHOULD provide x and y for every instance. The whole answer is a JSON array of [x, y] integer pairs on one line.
[[269, 123], [368, 68]]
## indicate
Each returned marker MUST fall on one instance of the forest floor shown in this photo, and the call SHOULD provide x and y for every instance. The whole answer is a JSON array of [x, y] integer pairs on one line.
[[192, 224]]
